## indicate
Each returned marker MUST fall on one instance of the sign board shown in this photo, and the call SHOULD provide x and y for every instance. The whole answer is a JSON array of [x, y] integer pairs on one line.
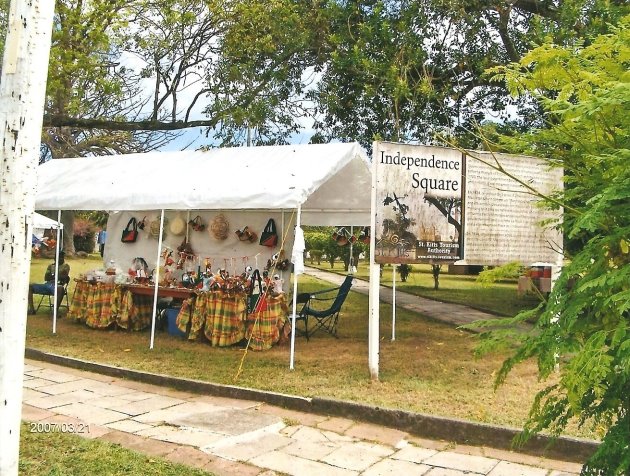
[[437, 205], [419, 203], [503, 220]]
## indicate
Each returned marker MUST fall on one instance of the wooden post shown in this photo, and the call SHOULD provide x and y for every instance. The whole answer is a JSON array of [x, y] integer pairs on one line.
[[22, 93]]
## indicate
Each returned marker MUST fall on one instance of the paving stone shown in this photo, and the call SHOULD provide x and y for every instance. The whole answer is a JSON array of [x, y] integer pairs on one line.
[[451, 460], [181, 436], [228, 421], [30, 367], [29, 393], [367, 431], [306, 433], [138, 443], [392, 467], [108, 402], [67, 387], [90, 414], [134, 396], [314, 451], [189, 457], [128, 426], [357, 456], [156, 402], [30, 413], [308, 419], [438, 445], [174, 412], [448, 472], [562, 473], [505, 468], [225, 402], [413, 454], [338, 425], [245, 450], [52, 401], [37, 383], [53, 375], [223, 467], [293, 465]]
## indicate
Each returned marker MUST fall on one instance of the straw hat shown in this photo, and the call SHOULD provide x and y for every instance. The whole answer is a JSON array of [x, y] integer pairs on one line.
[[219, 227], [177, 226]]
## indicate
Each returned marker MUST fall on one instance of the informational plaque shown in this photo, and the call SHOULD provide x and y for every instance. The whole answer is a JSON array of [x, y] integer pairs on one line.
[[418, 203], [504, 221]]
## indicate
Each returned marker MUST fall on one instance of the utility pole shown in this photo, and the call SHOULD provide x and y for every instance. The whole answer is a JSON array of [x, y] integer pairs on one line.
[[22, 93]]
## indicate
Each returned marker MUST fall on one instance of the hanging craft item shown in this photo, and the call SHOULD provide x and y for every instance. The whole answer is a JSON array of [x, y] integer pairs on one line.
[[154, 228], [257, 302], [342, 236], [197, 224], [130, 233], [219, 227], [177, 226], [246, 235], [364, 236], [269, 236], [142, 223]]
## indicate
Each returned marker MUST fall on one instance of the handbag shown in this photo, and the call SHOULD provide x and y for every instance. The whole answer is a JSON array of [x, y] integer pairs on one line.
[[197, 224], [130, 233], [269, 236], [256, 302]]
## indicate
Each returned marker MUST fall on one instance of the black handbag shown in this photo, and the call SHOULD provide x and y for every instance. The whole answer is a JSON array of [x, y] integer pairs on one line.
[[269, 236], [256, 302], [130, 233]]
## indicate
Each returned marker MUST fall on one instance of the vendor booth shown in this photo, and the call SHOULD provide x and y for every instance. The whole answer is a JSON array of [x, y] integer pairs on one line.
[[189, 225]]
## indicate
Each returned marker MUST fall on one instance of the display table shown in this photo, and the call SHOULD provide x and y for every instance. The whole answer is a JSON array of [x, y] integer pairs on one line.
[[221, 317]]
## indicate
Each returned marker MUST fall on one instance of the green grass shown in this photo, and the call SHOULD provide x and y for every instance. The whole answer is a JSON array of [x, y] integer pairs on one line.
[[499, 298], [60, 454], [429, 368]]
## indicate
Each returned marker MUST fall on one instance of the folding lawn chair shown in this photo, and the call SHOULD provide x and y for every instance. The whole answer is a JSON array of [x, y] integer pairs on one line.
[[63, 288], [325, 319]]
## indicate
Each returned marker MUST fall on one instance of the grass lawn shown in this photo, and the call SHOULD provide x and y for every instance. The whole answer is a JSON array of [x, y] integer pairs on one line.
[[60, 454], [499, 298], [430, 367]]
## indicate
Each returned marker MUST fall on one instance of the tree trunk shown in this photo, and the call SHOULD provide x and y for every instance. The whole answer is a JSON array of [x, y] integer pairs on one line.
[[22, 94], [435, 269]]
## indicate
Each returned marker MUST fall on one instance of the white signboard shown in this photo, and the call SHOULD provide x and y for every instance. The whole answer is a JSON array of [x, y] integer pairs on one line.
[[503, 220], [419, 203]]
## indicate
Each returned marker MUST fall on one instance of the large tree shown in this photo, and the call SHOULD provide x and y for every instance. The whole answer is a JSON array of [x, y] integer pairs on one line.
[[405, 69], [582, 330]]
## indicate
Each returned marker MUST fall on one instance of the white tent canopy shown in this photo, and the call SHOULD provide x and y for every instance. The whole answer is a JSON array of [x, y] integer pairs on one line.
[[40, 222], [330, 181]]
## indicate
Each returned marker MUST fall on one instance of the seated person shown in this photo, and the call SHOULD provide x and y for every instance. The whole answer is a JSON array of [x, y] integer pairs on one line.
[[48, 288]]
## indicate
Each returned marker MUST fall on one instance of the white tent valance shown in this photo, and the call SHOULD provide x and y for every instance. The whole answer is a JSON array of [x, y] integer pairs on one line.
[[41, 222], [330, 181]]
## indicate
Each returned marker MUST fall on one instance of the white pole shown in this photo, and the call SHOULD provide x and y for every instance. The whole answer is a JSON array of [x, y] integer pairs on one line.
[[351, 261], [394, 302], [295, 285], [156, 279], [22, 94], [373, 325], [282, 235], [56, 280]]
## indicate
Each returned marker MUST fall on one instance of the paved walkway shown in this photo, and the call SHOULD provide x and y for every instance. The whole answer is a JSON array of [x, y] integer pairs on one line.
[[240, 437], [455, 314]]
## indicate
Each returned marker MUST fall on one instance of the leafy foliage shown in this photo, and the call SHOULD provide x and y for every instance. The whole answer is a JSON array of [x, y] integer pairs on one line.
[[582, 329]]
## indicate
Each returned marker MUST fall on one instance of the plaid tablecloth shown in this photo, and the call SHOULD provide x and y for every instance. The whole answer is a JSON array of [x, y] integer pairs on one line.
[[99, 305], [264, 327], [92, 304]]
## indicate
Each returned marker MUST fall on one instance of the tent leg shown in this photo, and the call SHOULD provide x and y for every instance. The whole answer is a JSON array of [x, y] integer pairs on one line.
[[56, 291], [394, 302], [295, 284], [156, 279]]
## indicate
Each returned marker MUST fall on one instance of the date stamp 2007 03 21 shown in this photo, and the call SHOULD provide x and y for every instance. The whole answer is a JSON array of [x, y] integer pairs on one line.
[[48, 427]]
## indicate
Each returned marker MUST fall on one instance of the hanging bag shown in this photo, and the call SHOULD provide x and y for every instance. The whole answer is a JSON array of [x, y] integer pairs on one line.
[[130, 233], [256, 302], [269, 236]]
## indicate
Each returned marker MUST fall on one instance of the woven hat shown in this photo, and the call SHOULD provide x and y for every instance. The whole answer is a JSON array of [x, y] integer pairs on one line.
[[177, 226], [154, 228], [219, 227]]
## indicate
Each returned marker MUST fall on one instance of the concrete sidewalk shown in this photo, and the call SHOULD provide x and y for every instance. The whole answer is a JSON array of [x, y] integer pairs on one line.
[[455, 314], [240, 437]]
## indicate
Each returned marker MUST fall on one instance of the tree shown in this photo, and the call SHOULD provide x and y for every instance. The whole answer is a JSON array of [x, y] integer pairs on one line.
[[411, 69], [583, 328]]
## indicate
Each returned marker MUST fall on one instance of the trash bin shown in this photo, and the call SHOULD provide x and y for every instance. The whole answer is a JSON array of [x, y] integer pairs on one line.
[[171, 318]]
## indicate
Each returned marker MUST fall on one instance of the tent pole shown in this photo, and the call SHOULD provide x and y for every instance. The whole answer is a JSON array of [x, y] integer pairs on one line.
[[351, 261], [373, 299], [283, 234], [394, 302], [56, 280], [295, 285], [156, 279]]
